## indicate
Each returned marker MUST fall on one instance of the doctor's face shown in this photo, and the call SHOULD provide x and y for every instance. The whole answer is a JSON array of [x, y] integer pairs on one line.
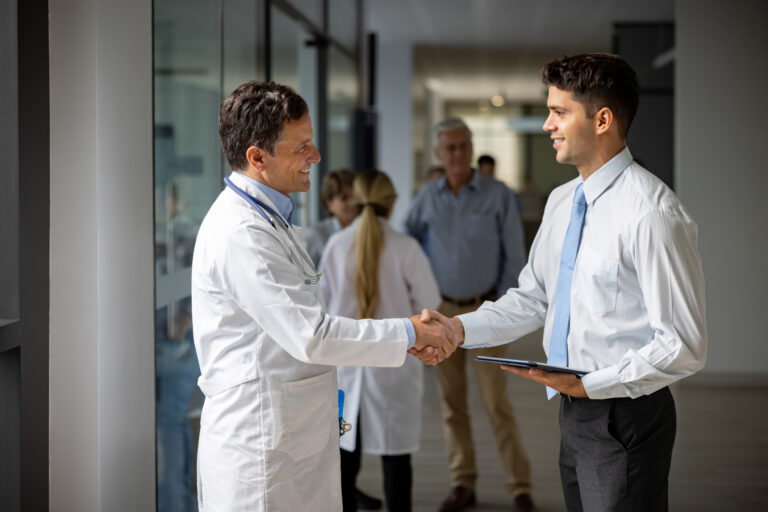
[[287, 171]]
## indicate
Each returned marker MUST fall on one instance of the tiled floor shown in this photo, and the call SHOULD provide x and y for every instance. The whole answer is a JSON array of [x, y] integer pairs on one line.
[[719, 461]]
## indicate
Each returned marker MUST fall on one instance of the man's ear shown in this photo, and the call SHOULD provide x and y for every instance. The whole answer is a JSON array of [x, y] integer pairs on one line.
[[255, 157], [603, 120]]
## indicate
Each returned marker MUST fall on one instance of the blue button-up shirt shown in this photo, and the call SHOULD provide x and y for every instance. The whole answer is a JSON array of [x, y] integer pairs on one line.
[[474, 241], [283, 202]]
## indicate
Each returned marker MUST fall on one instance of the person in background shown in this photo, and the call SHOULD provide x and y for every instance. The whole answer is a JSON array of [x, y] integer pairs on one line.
[[372, 271], [615, 279], [469, 226], [336, 194], [486, 164]]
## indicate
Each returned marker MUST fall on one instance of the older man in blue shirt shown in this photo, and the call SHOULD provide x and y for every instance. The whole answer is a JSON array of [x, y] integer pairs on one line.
[[470, 228]]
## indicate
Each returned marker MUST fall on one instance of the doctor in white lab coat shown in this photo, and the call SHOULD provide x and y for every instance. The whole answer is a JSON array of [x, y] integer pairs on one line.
[[267, 349], [372, 271]]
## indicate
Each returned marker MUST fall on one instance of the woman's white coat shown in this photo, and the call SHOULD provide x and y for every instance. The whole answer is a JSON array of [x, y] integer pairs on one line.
[[388, 399]]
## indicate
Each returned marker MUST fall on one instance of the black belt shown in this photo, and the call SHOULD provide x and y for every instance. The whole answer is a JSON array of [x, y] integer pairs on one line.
[[471, 301]]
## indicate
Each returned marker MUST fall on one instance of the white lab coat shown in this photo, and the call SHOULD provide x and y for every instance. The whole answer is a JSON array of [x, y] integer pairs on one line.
[[388, 399], [267, 349]]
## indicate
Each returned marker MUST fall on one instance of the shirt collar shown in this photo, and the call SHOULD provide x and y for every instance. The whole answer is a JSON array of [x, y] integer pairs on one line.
[[473, 183], [282, 202], [598, 182]]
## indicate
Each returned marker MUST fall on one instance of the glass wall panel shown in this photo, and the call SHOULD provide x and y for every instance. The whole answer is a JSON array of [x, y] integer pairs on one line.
[[188, 73], [342, 22], [343, 97], [243, 58], [310, 9], [294, 63]]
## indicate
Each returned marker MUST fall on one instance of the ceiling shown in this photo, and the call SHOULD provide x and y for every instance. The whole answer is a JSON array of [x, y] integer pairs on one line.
[[474, 49]]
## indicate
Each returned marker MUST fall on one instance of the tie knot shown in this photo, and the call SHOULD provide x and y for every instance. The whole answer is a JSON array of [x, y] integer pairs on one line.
[[578, 196]]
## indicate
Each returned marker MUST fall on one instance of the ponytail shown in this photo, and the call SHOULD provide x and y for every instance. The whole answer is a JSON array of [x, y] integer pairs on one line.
[[373, 191]]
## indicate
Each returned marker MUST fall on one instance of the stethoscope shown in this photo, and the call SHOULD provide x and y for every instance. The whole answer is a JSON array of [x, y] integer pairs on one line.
[[302, 261]]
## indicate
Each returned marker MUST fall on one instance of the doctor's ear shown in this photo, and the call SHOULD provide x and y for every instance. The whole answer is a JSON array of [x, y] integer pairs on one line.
[[255, 157]]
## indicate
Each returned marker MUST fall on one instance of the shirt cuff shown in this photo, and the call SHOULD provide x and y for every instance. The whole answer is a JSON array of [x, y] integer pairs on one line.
[[475, 327], [411, 332], [603, 383]]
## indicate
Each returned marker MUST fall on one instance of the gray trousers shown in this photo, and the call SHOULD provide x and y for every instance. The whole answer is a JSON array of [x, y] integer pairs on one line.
[[615, 454]]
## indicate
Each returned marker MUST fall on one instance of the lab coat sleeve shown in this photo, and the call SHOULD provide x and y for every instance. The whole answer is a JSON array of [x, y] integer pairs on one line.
[[271, 290], [672, 282]]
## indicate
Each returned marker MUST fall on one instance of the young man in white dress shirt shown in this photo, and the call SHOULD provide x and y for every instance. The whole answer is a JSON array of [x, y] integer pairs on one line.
[[635, 317]]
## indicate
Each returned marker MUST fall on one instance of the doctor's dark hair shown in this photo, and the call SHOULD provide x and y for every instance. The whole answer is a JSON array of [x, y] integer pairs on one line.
[[597, 80], [374, 194], [253, 115]]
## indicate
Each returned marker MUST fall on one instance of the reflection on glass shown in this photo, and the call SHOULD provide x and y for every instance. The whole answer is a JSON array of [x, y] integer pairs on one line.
[[342, 22], [294, 63], [187, 82], [342, 101]]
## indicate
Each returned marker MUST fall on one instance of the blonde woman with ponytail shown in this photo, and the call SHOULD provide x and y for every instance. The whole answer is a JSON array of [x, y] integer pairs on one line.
[[372, 271]]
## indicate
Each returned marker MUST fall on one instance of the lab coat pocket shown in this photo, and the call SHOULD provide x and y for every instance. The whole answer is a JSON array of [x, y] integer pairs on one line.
[[303, 412], [597, 282]]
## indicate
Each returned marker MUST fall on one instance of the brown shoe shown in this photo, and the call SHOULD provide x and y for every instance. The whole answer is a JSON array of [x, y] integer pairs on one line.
[[524, 503], [460, 498]]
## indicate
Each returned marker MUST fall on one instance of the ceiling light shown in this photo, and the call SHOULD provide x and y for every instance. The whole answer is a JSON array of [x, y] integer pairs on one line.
[[497, 100]]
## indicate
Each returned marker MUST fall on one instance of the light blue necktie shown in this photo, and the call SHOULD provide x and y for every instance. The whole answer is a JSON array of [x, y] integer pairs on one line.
[[558, 344]]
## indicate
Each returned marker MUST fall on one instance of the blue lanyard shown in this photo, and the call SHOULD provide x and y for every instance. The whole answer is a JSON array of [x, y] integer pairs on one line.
[[260, 206]]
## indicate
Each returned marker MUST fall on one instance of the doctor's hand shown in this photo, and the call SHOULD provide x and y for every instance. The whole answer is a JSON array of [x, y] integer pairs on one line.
[[565, 383], [452, 324], [436, 337]]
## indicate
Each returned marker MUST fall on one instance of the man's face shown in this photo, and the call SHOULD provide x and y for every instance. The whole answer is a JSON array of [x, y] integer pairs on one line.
[[342, 206], [486, 168], [572, 132], [287, 171], [454, 151]]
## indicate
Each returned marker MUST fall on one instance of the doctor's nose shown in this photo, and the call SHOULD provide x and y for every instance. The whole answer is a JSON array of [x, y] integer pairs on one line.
[[315, 156]]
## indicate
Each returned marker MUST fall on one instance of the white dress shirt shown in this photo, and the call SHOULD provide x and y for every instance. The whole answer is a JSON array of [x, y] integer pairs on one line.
[[638, 320]]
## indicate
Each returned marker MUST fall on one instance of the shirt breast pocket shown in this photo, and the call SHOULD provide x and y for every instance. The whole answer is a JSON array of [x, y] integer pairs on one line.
[[597, 282]]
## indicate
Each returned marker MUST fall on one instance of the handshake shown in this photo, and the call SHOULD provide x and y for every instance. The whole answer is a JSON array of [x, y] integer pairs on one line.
[[437, 336]]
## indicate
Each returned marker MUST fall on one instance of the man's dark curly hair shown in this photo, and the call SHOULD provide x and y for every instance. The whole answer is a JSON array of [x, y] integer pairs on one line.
[[597, 80], [253, 115]]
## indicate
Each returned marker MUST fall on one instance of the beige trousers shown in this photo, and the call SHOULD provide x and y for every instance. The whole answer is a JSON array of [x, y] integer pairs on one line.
[[492, 381]]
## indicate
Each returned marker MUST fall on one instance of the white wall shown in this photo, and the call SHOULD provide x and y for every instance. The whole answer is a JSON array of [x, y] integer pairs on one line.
[[721, 170], [393, 103], [102, 314]]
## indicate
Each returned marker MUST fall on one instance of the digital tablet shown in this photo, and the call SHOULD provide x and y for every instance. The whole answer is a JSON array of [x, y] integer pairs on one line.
[[531, 364]]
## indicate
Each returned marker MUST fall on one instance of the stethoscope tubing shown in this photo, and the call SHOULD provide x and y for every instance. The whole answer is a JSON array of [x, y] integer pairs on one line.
[[266, 212]]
